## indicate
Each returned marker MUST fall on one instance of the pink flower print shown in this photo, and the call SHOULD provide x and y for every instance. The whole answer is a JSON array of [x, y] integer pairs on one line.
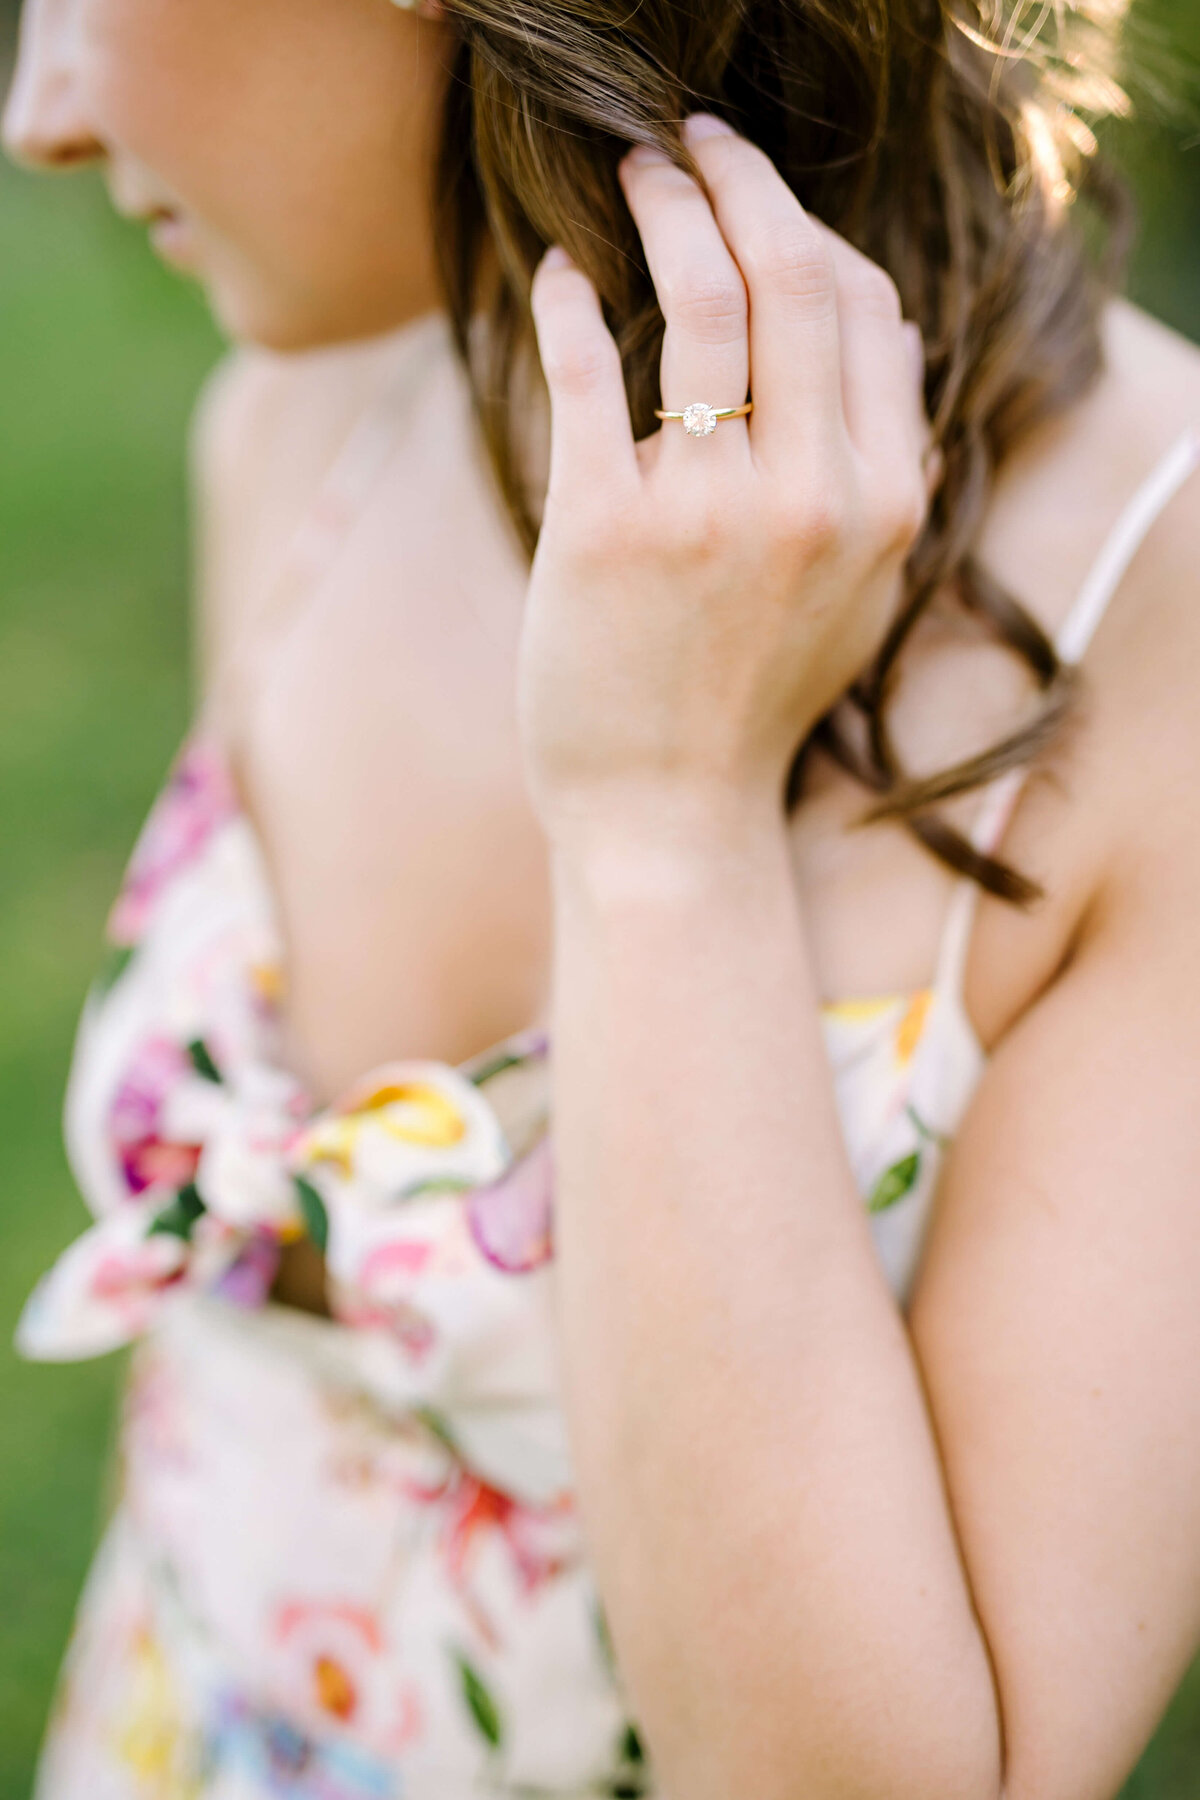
[[127, 1276], [245, 1125], [152, 1418], [147, 1158], [363, 1453], [110, 1285], [209, 1199], [105, 1288], [511, 1219], [336, 1668], [380, 1295], [198, 797]]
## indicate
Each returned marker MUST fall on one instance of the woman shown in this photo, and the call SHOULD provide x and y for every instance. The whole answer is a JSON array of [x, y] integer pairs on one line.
[[863, 1351]]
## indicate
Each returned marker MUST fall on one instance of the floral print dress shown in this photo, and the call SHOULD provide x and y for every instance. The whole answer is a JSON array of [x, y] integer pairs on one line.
[[344, 1561]]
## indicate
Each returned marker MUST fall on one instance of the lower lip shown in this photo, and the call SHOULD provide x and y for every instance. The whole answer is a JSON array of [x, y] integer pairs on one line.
[[173, 241]]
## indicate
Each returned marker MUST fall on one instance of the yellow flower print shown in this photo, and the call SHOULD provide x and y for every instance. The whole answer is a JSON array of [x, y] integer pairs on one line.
[[268, 982], [334, 1689], [411, 1112], [854, 1012], [151, 1736], [908, 1032]]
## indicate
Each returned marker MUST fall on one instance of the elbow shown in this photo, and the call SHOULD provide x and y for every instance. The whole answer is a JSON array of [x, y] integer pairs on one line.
[[956, 1755]]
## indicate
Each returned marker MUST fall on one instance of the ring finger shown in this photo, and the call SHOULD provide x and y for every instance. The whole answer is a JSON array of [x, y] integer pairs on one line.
[[706, 348]]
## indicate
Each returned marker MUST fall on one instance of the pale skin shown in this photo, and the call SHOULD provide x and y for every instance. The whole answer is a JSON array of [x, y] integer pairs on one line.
[[843, 1552]]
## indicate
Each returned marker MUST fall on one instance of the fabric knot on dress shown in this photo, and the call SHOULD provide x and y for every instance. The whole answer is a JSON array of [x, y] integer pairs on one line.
[[213, 1156], [402, 1181]]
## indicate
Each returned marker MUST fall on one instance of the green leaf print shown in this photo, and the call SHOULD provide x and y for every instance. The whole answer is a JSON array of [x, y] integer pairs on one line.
[[312, 1207], [894, 1183], [179, 1218], [935, 1137], [202, 1061], [496, 1066], [632, 1781], [437, 1426], [435, 1184], [483, 1708], [604, 1637], [115, 963]]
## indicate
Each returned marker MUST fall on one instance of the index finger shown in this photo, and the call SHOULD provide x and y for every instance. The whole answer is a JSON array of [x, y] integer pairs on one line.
[[591, 443]]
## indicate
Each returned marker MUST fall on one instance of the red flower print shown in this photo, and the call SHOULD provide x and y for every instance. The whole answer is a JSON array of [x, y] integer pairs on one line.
[[540, 1540], [337, 1668]]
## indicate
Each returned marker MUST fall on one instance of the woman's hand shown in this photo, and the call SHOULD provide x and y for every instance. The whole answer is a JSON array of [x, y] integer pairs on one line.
[[697, 604]]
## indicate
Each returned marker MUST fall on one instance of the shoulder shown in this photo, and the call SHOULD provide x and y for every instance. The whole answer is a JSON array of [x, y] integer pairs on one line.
[[1132, 769], [1056, 507], [1112, 797], [1147, 650], [1063, 488]]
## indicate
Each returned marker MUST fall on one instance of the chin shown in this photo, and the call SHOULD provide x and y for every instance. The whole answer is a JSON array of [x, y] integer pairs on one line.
[[272, 321]]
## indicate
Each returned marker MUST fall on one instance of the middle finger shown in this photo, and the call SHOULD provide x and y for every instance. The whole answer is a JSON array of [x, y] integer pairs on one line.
[[706, 350]]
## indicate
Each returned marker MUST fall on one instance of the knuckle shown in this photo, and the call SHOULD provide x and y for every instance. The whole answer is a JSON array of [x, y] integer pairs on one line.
[[792, 258], [575, 364], [873, 292], [901, 517], [698, 530], [596, 537], [814, 519], [709, 303], [597, 527]]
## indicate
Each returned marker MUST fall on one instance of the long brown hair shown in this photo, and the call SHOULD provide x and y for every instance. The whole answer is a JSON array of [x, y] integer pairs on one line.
[[946, 138]]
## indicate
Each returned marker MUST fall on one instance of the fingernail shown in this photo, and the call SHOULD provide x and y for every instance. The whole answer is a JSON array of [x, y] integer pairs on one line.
[[705, 125], [644, 155], [916, 350], [556, 258]]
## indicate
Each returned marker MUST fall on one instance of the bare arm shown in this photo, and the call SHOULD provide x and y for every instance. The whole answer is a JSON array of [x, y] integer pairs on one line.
[[817, 1533], [842, 1554], [761, 1483]]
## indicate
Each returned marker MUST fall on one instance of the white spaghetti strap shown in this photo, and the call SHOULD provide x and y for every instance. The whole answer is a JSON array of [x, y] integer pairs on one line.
[[1123, 543], [1071, 641]]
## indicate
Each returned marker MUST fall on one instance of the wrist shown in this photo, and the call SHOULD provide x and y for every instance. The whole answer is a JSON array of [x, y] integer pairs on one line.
[[670, 843]]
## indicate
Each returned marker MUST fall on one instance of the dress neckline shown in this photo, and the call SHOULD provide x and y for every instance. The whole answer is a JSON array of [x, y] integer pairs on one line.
[[943, 997], [861, 1010]]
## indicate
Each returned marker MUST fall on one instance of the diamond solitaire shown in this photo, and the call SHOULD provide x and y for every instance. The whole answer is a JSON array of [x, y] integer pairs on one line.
[[699, 419]]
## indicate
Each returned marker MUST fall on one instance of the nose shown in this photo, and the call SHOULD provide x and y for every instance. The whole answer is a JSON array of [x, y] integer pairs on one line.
[[45, 125]]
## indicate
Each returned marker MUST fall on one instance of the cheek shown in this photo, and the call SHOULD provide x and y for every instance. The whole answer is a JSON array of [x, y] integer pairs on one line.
[[151, 93], [294, 134]]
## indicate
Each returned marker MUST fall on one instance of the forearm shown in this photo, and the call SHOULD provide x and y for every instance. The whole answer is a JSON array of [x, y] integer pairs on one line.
[[760, 1483]]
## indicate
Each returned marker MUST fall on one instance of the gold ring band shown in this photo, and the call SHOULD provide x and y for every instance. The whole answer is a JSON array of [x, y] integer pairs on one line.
[[700, 419]]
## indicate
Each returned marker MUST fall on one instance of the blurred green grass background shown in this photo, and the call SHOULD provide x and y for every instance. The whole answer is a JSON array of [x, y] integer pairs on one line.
[[101, 354]]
